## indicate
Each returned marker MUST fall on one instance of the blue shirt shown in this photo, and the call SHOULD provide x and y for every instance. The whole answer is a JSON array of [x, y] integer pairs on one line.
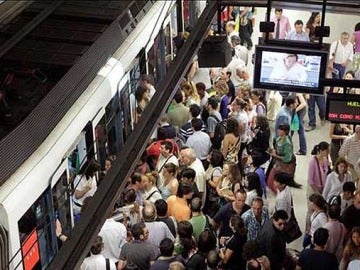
[[303, 36], [252, 224]]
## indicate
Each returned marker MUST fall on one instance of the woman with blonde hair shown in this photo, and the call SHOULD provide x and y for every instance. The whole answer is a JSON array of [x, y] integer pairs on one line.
[[222, 90], [151, 192], [230, 182], [191, 94]]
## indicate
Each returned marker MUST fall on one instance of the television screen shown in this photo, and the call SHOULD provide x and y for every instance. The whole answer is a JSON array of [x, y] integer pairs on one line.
[[342, 108], [289, 69]]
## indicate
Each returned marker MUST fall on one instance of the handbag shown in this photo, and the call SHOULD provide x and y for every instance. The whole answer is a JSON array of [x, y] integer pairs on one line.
[[292, 230]]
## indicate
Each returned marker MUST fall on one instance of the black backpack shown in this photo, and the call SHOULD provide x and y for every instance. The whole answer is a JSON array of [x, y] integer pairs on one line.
[[219, 133]]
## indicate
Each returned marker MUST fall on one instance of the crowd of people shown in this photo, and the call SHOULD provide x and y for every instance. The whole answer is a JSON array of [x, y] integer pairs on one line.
[[199, 196]]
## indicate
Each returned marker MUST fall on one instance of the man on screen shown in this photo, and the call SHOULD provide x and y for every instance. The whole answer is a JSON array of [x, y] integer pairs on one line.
[[291, 70]]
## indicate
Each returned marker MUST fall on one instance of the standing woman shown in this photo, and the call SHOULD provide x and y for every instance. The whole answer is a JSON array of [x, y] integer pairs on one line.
[[230, 183], [317, 173], [171, 183], [338, 133], [282, 154], [336, 179], [222, 90], [257, 99], [352, 249], [300, 111], [142, 100], [230, 145], [311, 24]]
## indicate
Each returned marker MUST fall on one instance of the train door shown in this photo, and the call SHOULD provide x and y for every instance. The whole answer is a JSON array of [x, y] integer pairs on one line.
[[115, 138]]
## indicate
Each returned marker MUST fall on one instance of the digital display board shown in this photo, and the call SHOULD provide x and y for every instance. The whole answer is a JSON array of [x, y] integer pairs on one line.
[[343, 108]]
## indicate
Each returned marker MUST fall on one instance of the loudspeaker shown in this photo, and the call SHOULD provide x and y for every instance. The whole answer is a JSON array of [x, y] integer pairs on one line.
[[322, 31], [267, 27], [215, 52]]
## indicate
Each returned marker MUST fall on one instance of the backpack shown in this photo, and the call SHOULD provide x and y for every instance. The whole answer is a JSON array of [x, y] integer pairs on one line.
[[219, 133]]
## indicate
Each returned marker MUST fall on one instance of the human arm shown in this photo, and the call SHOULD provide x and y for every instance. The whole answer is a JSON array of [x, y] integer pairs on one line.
[[225, 255], [215, 179], [302, 102], [58, 231], [313, 174], [327, 186], [83, 188], [174, 186], [225, 144]]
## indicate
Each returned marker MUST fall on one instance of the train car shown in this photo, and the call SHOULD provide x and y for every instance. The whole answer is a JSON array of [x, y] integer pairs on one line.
[[98, 123]]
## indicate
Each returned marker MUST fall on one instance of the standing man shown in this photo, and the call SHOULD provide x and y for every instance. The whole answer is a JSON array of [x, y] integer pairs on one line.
[[282, 25], [341, 55], [225, 75], [350, 149], [147, 82], [166, 156], [289, 70], [284, 116], [255, 218], [298, 34]]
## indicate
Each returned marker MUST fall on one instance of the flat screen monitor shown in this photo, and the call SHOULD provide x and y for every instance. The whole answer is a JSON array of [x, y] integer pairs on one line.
[[342, 108], [290, 69]]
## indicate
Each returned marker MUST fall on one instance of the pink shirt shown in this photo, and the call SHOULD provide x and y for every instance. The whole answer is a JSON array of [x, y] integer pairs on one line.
[[317, 177], [357, 41], [284, 26]]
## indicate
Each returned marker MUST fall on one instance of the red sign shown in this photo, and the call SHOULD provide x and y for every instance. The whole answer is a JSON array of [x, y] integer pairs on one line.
[[30, 251]]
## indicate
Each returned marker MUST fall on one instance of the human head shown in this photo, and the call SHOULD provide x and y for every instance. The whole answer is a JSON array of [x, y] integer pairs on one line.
[[195, 204], [357, 199], [194, 110], [176, 266], [257, 206], [320, 237], [187, 156], [290, 60], [90, 169], [252, 250], [262, 122], [230, 26], [185, 191], [256, 96], [201, 88], [147, 80], [137, 181], [161, 207], [344, 38], [206, 241], [354, 238], [235, 40], [213, 259], [232, 126], [279, 219], [179, 98], [169, 170], [108, 162], [281, 180], [187, 175], [141, 93], [357, 27], [334, 211], [225, 74], [321, 149], [298, 26], [237, 225], [341, 165], [349, 75], [314, 18], [213, 103], [196, 124], [240, 198], [348, 190], [317, 201], [221, 87], [149, 212], [290, 102], [234, 174], [253, 183], [283, 129], [278, 13], [216, 158], [184, 229], [139, 231], [97, 246], [166, 247]]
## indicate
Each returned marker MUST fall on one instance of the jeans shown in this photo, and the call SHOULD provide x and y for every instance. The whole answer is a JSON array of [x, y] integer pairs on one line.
[[320, 102], [301, 132], [245, 36], [341, 70]]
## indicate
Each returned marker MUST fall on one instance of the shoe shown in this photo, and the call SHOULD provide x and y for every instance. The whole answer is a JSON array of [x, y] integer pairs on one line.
[[309, 128], [299, 153]]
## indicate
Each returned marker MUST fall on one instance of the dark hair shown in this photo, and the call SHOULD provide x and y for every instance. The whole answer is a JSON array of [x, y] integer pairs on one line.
[[284, 127], [320, 147], [238, 224], [207, 241], [293, 55], [171, 168], [235, 173], [287, 179], [194, 110], [188, 173], [349, 186], [136, 177], [297, 22], [278, 10], [147, 78], [178, 97], [89, 169], [289, 100], [339, 161], [311, 19], [254, 183], [162, 133], [184, 229], [213, 259], [318, 200], [280, 214], [161, 207], [195, 204], [137, 230], [320, 237], [130, 196], [232, 126], [200, 85], [196, 124], [350, 72], [97, 246], [139, 93], [262, 122], [241, 103], [357, 27], [184, 189], [334, 211], [216, 158], [252, 249], [213, 102], [168, 145], [166, 247]]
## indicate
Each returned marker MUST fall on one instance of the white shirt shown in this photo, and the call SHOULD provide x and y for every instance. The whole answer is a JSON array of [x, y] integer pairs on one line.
[[200, 174], [113, 234], [333, 186], [318, 220], [273, 105], [96, 262], [295, 73], [80, 182], [200, 142], [343, 53], [151, 91], [243, 119], [283, 201]]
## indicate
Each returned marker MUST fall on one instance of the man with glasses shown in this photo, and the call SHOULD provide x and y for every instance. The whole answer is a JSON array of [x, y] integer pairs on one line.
[[272, 239]]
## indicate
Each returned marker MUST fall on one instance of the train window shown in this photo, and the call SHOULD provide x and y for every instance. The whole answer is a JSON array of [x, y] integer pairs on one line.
[[113, 125], [37, 226]]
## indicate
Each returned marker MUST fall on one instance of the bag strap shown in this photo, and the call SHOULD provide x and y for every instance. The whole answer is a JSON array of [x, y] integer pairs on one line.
[[215, 117], [166, 160], [151, 194], [107, 261]]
